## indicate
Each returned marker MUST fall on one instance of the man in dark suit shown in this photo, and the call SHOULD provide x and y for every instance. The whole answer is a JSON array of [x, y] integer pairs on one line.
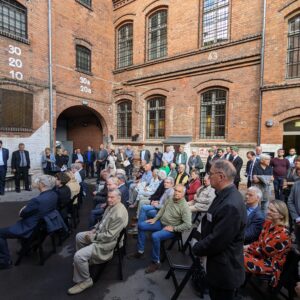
[[4, 156], [255, 217], [145, 154], [250, 166], [89, 159], [210, 157], [20, 165], [123, 189], [238, 164], [77, 156], [36, 209], [222, 234]]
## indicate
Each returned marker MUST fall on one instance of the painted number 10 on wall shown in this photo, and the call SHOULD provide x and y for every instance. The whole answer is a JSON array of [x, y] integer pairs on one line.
[[15, 62]]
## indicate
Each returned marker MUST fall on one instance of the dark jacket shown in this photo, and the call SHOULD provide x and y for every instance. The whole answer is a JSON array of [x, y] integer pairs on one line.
[[208, 164], [35, 210], [82, 174], [5, 155], [254, 226], [124, 194], [197, 162], [85, 156], [238, 164], [222, 239], [158, 193], [54, 222], [147, 156], [16, 159], [63, 199], [157, 159]]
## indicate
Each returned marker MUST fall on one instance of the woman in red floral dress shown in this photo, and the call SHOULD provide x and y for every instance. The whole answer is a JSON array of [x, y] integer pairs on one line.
[[193, 185], [267, 255]]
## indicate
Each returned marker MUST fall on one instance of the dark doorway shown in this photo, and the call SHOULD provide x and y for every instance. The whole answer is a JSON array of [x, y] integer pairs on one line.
[[79, 127], [291, 137]]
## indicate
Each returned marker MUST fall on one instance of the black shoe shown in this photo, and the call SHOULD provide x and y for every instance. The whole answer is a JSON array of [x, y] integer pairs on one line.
[[18, 191], [29, 190], [1, 194], [6, 266]]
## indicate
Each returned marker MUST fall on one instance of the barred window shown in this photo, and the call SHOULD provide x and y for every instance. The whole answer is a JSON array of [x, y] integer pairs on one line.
[[16, 110], [293, 53], [124, 120], [156, 118], [83, 59], [13, 19], [157, 35], [87, 3], [213, 114], [215, 21], [125, 45]]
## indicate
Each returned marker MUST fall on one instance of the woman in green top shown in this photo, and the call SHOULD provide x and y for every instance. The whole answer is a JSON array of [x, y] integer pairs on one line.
[[165, 167]]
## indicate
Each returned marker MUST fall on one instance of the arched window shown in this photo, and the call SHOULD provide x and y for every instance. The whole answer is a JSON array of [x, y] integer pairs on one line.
[[213, 114], [125, 46], [293, 55], [13, 19], [215, 21], [124, 120], [156, 118], [157, 35], [83, 58]]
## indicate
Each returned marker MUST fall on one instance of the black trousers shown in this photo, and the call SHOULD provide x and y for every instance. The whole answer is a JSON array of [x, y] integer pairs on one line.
[[100, 167], [221, 294], [89, 166], [21, 172], [2, 179]]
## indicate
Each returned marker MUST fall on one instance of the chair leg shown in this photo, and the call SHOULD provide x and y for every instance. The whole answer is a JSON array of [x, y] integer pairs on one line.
[[120, 265], [41, 255], [182, 284]]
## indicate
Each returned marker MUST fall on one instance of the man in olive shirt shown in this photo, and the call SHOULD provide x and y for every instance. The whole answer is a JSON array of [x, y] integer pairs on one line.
[[174, 216]]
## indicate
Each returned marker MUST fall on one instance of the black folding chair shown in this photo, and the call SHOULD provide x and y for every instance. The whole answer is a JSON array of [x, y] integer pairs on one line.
[[35, 242], [119, 251]]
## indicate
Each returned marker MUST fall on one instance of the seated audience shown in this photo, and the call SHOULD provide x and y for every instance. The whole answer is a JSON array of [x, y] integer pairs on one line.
[[267, 255], [30, 215], [182, 177], [63, 194], [193, 184], [255, 217], [203, 197], [97, 246], [173, 217], [173, 171]]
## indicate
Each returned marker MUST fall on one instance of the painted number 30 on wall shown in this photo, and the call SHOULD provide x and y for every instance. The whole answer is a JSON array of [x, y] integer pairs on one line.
[[15, 62]]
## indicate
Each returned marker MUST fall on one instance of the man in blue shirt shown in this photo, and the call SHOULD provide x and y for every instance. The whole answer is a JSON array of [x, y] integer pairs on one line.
[[89, 159]]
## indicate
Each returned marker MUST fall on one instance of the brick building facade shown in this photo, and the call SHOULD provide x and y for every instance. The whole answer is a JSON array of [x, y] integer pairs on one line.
[[196, 72]]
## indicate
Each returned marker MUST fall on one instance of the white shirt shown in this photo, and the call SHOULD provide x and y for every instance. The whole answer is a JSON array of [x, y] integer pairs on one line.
[[80, 158], [1, 158], [143, 155]]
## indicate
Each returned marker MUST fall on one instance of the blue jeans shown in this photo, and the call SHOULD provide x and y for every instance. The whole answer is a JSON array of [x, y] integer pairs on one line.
[[147, 211], [5, 233], [278, 183], [96, 214], [158, 235]]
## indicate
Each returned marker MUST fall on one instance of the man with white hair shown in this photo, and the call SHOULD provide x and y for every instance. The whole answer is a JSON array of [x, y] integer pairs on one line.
[[255, 217], [262, 178], [97, 245], [36, 209]]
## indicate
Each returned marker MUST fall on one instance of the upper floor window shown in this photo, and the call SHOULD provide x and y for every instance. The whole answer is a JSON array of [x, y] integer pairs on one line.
[[124, 120], [156, 118], [125, 45], [157, 35], [213, 114], [293, 55], [16, 110], [87, 3], [83, 58], [13, 19], [215, 21]]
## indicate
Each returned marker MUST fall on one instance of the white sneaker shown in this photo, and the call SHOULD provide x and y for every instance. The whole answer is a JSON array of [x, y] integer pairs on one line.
[[80, 287]]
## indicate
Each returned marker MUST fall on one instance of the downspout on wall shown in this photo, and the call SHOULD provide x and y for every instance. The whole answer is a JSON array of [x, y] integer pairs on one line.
[[50, 74], [262, 65]]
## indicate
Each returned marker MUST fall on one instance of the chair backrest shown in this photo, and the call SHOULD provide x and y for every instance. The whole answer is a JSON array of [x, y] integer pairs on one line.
[[121, 237]]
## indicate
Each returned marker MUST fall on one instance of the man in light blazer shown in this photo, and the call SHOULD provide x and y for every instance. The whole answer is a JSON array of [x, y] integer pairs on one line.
[[4, 156], [97, 246]]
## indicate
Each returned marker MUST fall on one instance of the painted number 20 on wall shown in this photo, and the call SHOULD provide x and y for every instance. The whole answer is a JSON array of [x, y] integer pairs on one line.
[[15, 62]]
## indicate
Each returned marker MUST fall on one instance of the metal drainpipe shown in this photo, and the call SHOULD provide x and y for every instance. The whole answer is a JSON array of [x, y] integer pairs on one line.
[[50, 73], [262, 65]]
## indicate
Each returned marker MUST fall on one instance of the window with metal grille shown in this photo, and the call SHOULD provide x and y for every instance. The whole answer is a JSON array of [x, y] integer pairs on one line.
[[16, 110], [293, 53], [157, 35], [156, 118], [124, 120], [213, 114], [87, 3], [13, 19], [215, 21], [125, 46], [83, 58]]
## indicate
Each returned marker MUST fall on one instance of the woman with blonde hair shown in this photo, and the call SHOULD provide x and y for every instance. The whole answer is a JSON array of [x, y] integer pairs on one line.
[[268, 255]]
